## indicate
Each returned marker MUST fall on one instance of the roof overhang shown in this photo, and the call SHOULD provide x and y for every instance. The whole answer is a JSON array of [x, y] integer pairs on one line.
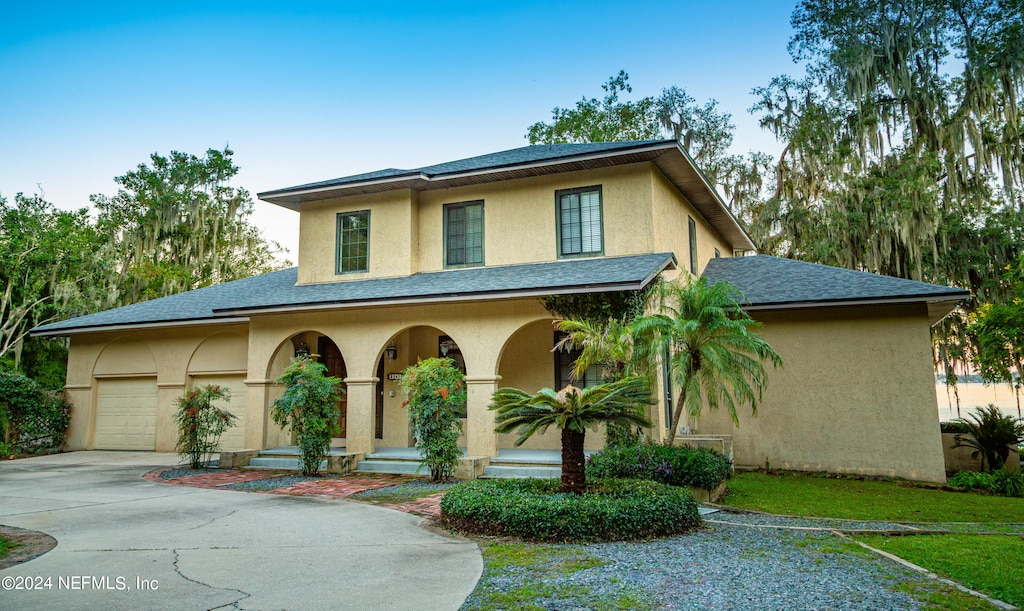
[[939, 306], [225, 320], [668, 156]]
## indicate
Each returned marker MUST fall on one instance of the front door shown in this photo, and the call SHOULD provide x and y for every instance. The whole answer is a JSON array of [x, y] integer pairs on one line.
[[330, 356], [379, 415]]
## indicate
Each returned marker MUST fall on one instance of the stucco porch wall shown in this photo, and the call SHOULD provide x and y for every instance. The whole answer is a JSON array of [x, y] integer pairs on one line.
[[169, 356], [480, 329], [856, 395]]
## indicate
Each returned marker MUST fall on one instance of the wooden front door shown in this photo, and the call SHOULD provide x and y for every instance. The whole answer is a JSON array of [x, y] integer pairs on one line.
[[330, 356]]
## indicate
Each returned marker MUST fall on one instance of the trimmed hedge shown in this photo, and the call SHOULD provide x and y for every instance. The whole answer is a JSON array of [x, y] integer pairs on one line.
[[533, 509], [672, 465]]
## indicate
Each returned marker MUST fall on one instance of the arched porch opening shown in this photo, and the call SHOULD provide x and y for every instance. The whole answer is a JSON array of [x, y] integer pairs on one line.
[[402, 350], [528, 363], [324, 350]]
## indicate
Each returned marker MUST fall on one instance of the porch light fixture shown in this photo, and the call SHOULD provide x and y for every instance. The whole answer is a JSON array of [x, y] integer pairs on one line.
[[445, 346], [391, 352], [302, 350]]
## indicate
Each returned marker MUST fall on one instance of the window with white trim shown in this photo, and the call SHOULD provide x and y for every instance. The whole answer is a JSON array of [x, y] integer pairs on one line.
[[579, 222]]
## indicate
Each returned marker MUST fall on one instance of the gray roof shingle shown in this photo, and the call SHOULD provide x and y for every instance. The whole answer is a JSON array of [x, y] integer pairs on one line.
[[766, 281], [526, 154], [278, 290]]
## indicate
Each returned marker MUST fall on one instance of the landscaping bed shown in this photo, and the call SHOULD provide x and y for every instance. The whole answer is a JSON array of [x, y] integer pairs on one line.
[[534, 510]]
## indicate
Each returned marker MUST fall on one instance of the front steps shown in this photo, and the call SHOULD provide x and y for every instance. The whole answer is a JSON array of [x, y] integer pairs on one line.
[[510, 463], [286, 458], [398, 461], [517, 463]]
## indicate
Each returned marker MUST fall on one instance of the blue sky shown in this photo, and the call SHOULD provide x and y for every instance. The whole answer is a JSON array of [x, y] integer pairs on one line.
[[311, 91]]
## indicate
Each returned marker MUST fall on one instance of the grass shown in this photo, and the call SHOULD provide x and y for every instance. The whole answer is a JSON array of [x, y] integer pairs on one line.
[[532, 571], [851, 499], [990, 564], [6, 545]]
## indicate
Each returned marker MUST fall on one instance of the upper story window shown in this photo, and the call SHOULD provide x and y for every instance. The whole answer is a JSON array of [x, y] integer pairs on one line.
[[464, 234], [579, 222], [353, 242], [693, 244]]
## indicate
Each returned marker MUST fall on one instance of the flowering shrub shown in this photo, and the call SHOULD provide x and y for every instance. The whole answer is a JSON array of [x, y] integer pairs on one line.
[[201, 423], [309, 406], [436, 393]]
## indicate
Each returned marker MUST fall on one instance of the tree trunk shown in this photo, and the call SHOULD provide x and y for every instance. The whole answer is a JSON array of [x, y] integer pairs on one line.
[[677, 413], [573, 470]]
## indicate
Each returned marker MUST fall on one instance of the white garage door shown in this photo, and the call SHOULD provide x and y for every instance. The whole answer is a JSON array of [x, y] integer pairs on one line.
[[126, 414], [233, 438]]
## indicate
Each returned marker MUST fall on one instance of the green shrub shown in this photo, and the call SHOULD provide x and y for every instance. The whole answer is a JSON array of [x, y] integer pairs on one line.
[[533, 509], [672, 465], [1008, 483], [201, 423], [32, 419], [971, 480], [1003, 481], [436, 392], [309, 405]]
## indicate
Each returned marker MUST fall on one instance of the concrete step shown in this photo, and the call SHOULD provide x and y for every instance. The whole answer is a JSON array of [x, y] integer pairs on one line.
[[289, 464], [402, 467], [514, 471]]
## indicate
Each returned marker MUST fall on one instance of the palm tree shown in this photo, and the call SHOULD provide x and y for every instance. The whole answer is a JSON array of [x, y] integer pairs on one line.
[[991, 434], [714, 353], [572, 410], [613, 345]]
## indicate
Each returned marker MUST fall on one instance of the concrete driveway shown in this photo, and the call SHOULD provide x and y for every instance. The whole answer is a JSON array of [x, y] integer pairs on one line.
[[127, 543]]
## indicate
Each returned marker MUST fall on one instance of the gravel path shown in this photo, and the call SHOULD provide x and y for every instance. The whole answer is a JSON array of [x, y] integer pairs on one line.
[[723, 567], [272, 483]]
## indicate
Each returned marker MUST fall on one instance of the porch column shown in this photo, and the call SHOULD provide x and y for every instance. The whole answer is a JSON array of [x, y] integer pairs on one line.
[[481, 440], [257, 413], [362, 402]]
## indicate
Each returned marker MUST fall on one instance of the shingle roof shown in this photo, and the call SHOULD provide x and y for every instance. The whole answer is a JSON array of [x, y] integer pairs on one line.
[[512, 157], [278, 290], [771, 281]]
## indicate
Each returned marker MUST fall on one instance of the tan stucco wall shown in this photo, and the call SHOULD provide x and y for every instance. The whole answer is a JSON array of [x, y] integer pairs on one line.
[[856, 395], [164, 354], [394, 231], [519, 215], [672, 233], [480, 330], [407, 227]]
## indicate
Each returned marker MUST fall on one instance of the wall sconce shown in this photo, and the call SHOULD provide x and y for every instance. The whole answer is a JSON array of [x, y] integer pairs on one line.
[[445, 346], [391, 352], [302, 350]]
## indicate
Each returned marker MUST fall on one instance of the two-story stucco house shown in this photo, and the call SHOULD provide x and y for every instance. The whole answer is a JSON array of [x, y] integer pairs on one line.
[[453, 259]]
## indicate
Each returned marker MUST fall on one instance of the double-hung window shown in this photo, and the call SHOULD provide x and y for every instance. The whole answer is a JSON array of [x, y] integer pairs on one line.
[[353, 242], [464, 234], [579, 222]]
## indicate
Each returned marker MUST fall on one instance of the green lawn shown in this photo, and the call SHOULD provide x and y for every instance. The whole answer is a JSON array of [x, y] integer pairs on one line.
[[990, 564], [808, 495], [6, 545]]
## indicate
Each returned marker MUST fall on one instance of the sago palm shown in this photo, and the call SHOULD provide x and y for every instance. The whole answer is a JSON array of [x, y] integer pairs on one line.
[[990, 435], [714, 354], [572, 410]]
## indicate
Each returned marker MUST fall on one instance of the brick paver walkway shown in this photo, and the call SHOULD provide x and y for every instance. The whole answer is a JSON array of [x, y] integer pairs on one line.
[[341, 487], [427, 506], [330, 487]]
